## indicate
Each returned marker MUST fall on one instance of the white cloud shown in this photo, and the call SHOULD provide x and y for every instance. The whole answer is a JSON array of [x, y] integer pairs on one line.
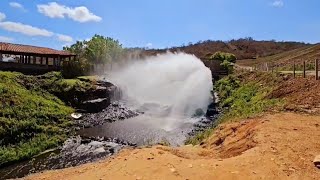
[[17, 5], [278, 3], [2, 16], [5, 39], [25, 29], [80, 14], [64, 38], [149, 45]]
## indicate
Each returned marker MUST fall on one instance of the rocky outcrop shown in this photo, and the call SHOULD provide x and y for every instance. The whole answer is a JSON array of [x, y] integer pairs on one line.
[[98, 98]]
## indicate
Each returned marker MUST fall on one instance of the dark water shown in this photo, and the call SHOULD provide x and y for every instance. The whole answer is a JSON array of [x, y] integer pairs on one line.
[[107, 132], [140, 130]]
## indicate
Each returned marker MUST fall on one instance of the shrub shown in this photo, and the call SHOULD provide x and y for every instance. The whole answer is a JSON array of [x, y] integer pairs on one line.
[[75, 68]]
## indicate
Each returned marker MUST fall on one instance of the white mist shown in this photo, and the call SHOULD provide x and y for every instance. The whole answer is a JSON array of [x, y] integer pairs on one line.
[[169, 88]]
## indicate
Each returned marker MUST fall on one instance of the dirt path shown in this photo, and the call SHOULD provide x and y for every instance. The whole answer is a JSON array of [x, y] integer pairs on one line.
[[279, 146]]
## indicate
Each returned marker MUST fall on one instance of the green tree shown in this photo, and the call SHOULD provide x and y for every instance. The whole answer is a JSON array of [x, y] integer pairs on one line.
[[97, 50], [227, 59]]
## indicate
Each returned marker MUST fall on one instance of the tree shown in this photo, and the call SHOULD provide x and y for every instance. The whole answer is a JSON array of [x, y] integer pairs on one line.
[[98, 50], [227, 60], [221, 56]]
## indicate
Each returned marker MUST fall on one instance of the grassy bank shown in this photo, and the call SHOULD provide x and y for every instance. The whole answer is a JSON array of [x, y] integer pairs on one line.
[[32, 117], [244, 95]]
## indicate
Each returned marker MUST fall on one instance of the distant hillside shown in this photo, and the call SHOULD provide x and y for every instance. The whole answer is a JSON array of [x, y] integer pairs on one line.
[[246, 48], [286, 59]]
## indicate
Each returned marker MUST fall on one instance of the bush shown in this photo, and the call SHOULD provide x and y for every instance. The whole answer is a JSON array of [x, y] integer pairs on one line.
[[75, 68], [227, 60]]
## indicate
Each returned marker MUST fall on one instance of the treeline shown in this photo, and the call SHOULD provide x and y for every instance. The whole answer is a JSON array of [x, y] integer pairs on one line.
[[244, 48], [100, 51]]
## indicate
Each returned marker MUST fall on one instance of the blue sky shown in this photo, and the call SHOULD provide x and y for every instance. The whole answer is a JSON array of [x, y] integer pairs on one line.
[[157, 23]]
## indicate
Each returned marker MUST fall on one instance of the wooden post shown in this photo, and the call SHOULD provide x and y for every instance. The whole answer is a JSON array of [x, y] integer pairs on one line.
[[294, 69], [304, 69], [34, 60], [41, 60], [29, 59], [47, 60], [317, 69], [59, 61]]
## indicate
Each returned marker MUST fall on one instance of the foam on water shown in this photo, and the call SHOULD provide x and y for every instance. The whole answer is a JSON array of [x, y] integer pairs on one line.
[[169, 87]]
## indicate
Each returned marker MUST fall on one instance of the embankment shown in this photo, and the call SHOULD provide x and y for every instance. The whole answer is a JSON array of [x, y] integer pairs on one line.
[[35, 112]]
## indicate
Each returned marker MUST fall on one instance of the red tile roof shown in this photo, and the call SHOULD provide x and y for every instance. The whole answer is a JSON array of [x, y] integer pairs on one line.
[[19, 48]]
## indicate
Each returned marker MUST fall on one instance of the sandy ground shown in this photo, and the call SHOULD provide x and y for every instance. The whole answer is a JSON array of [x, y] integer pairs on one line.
[[278, 146]]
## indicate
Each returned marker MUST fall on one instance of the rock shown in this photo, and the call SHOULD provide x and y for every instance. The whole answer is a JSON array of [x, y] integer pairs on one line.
[[190, 166], [99, 150], [95, 144], [76, 115], [173, 170], [95, 105], [316, 161]]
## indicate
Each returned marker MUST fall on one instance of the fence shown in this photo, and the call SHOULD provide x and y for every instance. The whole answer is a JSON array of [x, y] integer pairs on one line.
[[305, 69]]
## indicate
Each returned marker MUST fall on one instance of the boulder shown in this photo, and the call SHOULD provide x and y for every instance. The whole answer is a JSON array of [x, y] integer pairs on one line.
[[96, 105]]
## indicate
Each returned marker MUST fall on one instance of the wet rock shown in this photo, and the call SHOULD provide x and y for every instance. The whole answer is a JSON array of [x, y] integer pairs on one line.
[[96, 105], [114, 112], [77, 150]]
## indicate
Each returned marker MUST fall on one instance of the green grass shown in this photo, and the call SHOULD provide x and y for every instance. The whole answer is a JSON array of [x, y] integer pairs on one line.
[[242, 96], [31, 118]]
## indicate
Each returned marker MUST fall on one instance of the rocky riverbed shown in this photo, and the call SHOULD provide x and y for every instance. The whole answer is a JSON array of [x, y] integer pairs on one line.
[[102, 132]]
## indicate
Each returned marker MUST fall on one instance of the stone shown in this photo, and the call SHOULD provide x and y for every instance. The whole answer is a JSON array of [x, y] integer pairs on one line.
[[316, 161], [76, 115], [96, 144], [95, 105], [190, 166], [99, 150], [173, 170]]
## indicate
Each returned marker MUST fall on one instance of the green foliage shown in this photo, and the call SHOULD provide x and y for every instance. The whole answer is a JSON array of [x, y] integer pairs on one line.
[[245, 98], [31, 119], [75, 68], [222, 56], [227, 60], [198, 138], [241, 97], [98, 50]]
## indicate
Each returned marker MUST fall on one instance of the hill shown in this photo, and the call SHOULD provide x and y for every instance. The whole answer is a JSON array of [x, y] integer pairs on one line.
[[245, 48], [286, 59]]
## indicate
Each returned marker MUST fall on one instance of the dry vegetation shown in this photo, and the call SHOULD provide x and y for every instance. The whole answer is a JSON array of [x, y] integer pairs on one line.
[[246, 48], [286, 59]]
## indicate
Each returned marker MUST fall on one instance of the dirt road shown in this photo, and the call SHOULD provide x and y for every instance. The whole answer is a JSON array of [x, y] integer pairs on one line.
[[279, 146]]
